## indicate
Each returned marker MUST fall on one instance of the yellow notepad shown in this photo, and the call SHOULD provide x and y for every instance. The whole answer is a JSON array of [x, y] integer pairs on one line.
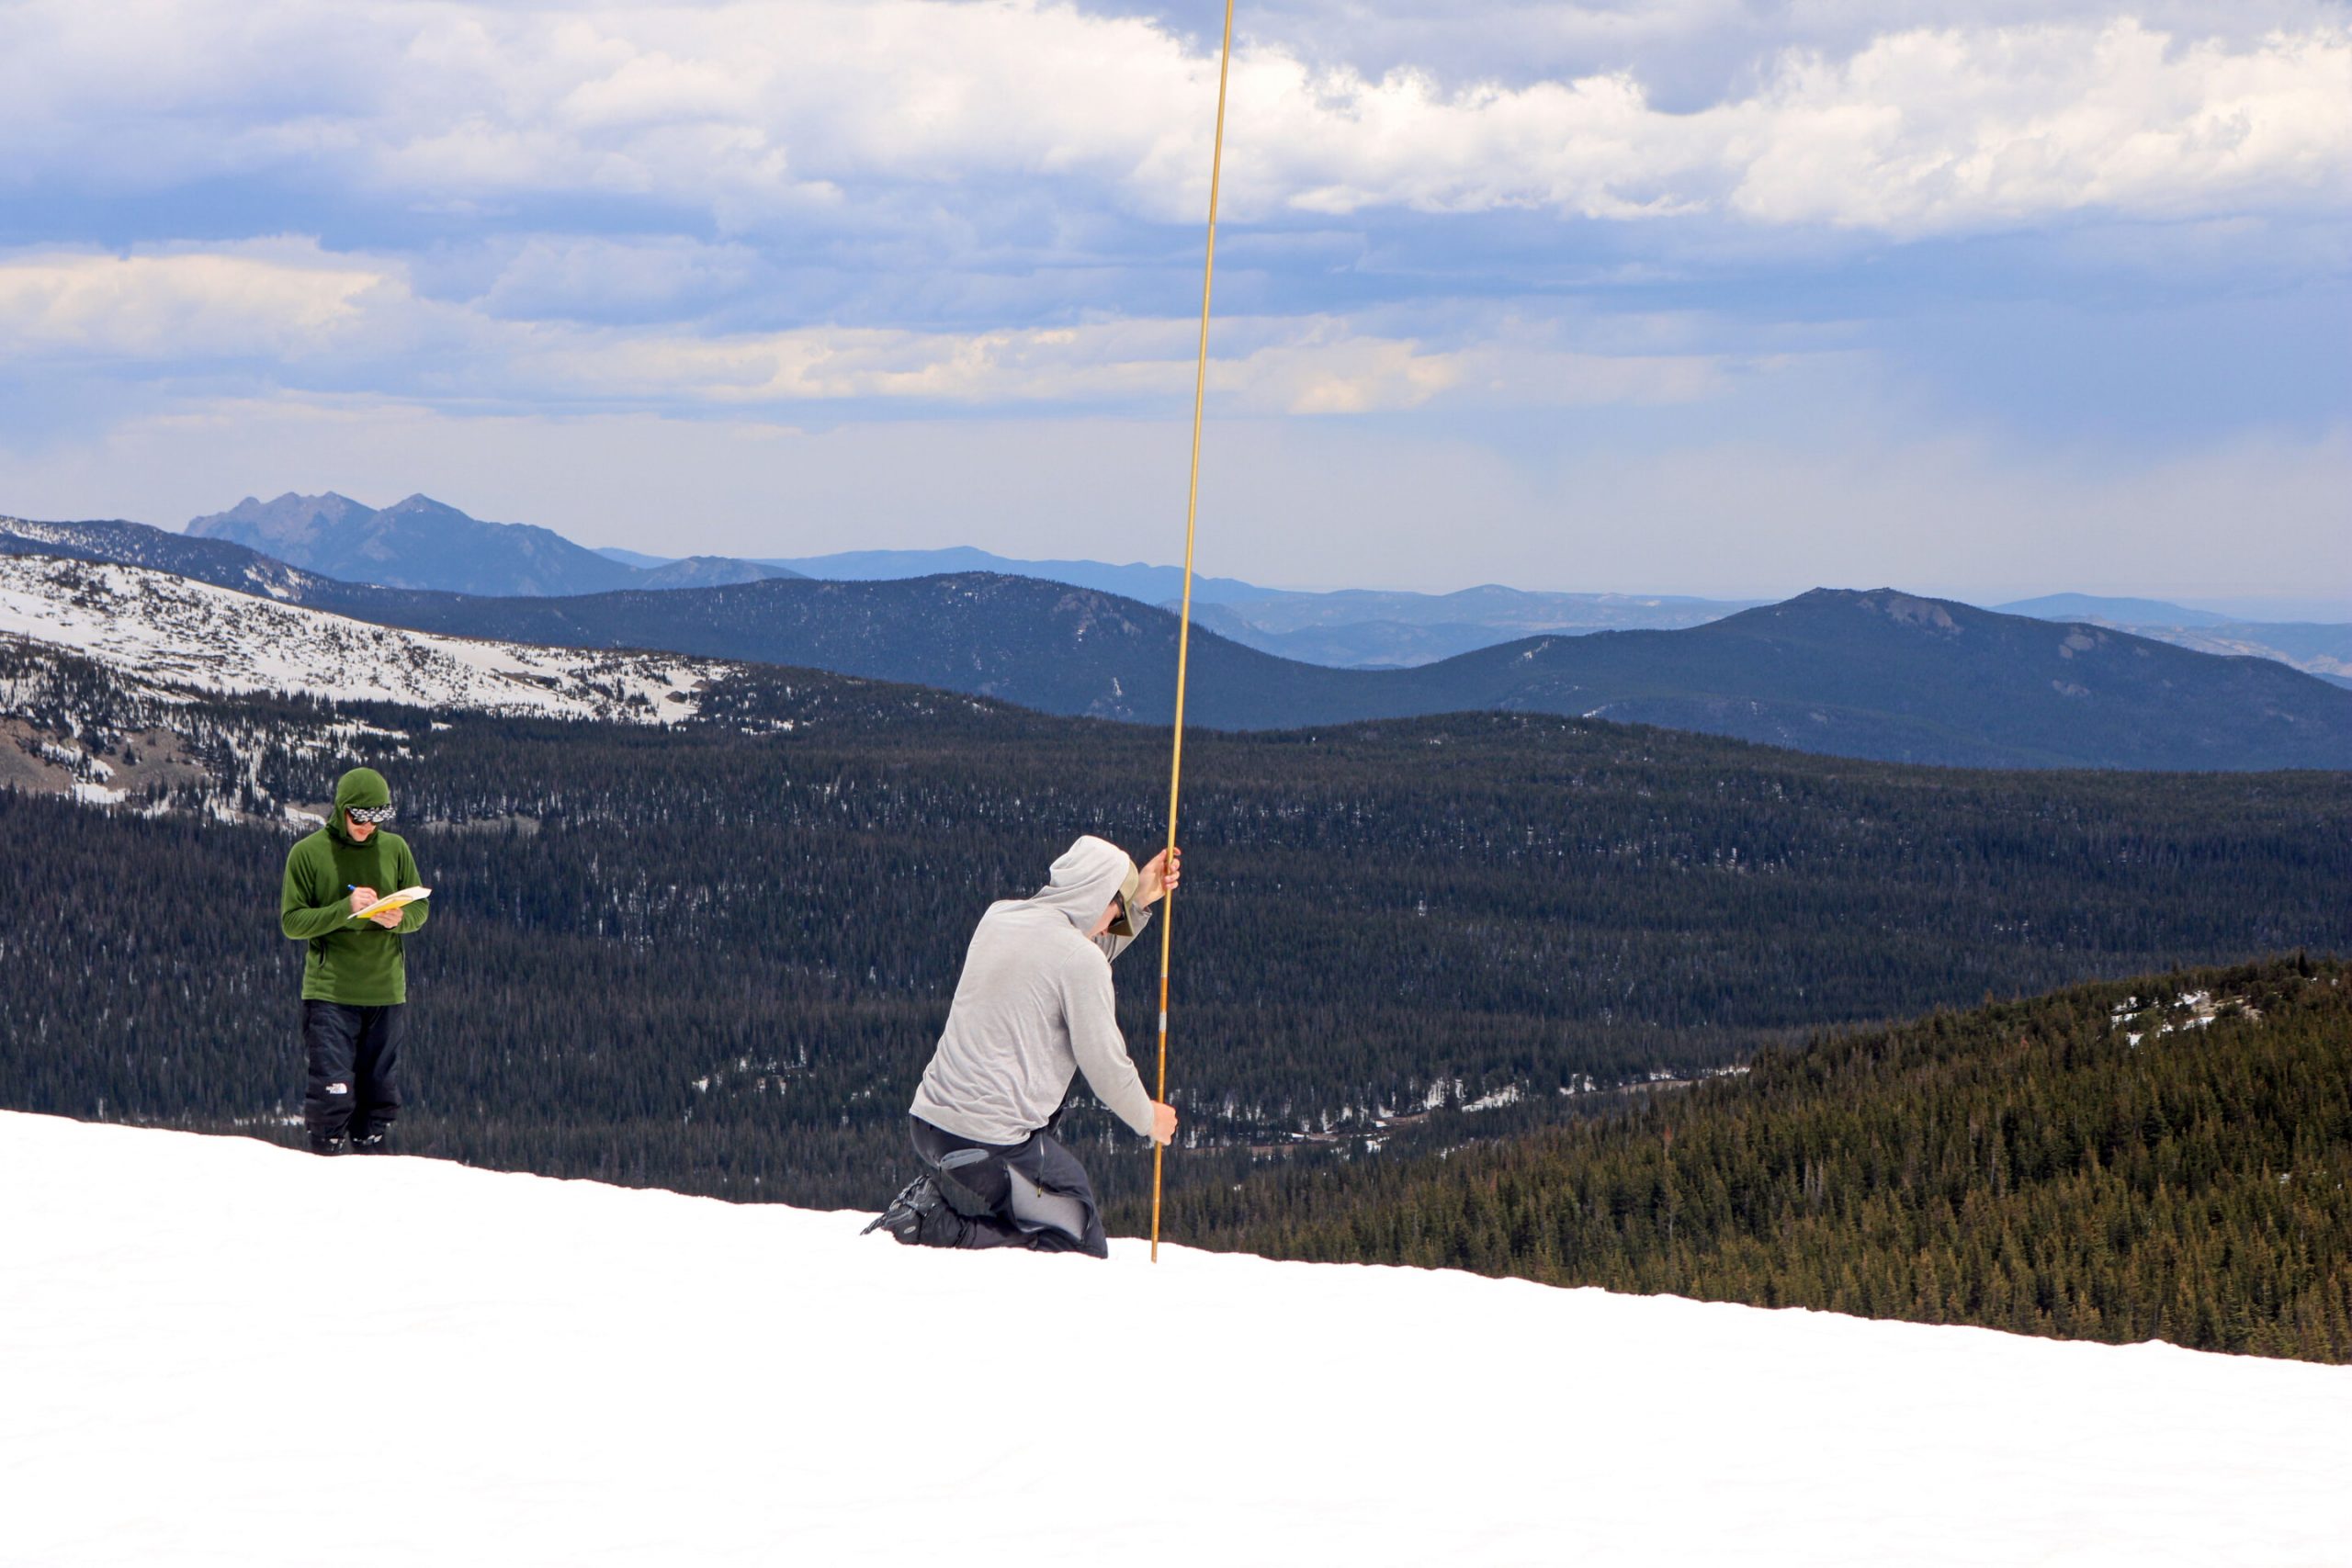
[[400, 900]]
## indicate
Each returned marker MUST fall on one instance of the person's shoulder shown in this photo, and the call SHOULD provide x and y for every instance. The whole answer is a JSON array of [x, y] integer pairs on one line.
[[393, 840], [1036, 923], [1022, 912], [317, 839], [1077, 954]]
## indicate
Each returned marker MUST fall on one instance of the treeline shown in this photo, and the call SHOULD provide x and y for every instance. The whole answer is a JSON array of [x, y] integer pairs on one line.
[[2165, 1158], [714, 958]]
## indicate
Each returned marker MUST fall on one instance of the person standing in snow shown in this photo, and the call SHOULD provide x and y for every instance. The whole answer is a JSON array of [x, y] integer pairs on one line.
[[1032, 1009], [355, 978]]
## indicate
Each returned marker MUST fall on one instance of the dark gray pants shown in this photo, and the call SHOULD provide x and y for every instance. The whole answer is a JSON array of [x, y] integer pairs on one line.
[[1034, 1193], [350, 1057]]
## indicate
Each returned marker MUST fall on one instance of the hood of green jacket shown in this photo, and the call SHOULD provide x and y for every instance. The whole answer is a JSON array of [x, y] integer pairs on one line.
[[362, 787]]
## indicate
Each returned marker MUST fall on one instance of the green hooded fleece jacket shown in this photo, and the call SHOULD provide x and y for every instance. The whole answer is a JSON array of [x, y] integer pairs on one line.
[[355, 962]]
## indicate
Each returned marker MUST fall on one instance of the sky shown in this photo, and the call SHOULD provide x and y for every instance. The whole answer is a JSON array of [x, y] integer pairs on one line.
[[1988, 298]]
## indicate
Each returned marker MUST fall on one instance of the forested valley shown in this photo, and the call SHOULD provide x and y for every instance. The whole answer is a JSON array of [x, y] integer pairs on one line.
[[2166, 1158], [714, 957]]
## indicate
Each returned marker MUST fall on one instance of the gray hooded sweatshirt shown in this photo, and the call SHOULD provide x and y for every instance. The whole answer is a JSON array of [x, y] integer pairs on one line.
[[1034, 1007]]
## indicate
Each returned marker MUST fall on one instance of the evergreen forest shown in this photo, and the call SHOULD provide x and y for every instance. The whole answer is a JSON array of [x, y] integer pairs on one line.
[[2162, 1159], [714, 957]]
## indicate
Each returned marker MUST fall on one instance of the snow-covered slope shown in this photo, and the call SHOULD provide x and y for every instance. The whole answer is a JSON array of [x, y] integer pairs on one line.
[[183, 632], [135, 544], [214, 1352]]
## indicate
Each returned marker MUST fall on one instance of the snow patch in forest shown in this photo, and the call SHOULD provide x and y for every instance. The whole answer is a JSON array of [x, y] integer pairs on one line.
[[2190, 1010], [1495, 1100]]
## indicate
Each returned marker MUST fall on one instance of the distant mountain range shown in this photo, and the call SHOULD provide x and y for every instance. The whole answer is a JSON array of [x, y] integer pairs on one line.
[[1362, 629], [2320, 649], [420, 542], [424, 542], [1879, 674], [1349, 628], [1152, 584], [2101, 609]]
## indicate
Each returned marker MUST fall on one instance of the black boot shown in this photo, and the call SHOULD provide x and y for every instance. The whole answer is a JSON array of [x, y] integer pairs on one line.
[[329, 1143], [919, 1216], [369, 1144]]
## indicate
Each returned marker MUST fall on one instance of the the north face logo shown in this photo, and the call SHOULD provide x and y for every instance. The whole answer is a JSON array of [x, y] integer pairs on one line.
[[338, 1089]]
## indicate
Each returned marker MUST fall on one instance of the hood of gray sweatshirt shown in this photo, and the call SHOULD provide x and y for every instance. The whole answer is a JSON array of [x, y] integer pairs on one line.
[[1034, 1007]]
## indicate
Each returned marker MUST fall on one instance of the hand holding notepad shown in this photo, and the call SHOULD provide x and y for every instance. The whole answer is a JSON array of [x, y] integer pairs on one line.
[[391, 901]]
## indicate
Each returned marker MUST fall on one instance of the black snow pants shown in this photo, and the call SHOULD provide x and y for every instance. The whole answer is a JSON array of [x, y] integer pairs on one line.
[[350, 1058], [1033, 1193]]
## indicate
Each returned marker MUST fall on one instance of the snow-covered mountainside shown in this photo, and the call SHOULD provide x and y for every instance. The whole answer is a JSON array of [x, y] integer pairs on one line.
[[134, 544], [181, 632], [216, 1350]]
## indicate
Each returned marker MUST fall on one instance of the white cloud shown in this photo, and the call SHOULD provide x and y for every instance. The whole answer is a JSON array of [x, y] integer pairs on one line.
[[627, 240], [1939, 130], [327, 323], [760, 113], [1307, 365], [277, 301]]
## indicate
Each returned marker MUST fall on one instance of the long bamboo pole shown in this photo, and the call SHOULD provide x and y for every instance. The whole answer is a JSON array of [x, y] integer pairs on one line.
[[1185, 625]]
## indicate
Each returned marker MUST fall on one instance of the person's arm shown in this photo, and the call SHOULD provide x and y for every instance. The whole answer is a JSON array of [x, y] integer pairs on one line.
[[1157, 876], [1092, 1017], [305, 911], [417, 914], [1113, 946]]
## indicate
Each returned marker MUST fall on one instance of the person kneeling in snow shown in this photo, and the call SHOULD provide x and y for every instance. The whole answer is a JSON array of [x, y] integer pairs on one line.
[[1034, 1007], [355, 975]]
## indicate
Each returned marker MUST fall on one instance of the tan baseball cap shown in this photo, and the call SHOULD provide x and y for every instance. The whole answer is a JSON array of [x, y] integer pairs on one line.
[[1124, 923]]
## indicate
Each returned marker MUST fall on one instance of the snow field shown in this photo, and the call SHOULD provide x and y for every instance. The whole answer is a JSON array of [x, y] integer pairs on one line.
[[215, 1351], [161, 627]]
